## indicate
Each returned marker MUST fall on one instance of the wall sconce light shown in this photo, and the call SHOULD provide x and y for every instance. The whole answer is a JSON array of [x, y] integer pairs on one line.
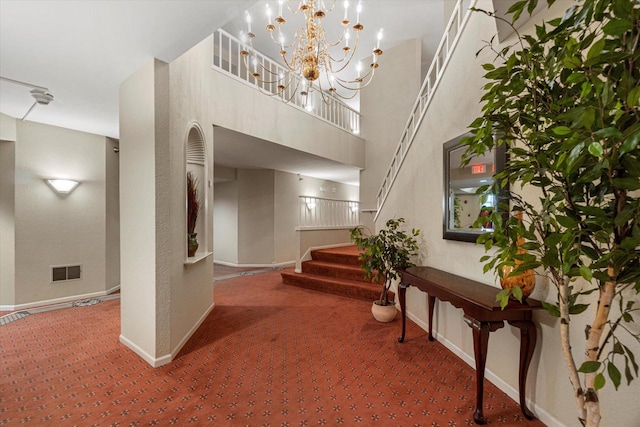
[[62, 186]]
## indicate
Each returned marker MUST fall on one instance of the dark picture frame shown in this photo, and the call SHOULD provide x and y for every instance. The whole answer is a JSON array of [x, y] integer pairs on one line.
[[462, 183]]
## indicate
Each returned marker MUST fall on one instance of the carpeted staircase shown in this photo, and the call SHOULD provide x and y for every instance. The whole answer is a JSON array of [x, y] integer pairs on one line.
[[336, 271]]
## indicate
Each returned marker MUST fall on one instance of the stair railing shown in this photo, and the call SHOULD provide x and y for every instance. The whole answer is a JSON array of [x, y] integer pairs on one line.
[[449, 40], [226, 58], [317, 212]]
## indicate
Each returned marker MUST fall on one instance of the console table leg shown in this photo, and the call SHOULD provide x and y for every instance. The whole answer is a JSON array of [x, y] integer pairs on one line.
[[432, 304], [527, 346], [402, 296], [481, 332]]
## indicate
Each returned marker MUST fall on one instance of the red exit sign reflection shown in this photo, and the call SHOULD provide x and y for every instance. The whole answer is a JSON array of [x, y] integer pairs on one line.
[[477, 169]]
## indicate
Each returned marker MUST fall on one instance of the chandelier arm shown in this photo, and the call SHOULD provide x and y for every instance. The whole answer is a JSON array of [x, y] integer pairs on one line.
[[339, 95], [344, 66], [293, 92], [268, 70], [329, 9], [259, 77], [293, 12], [350, 56], [279, 93], [368, 77], [322, 35], [277, 42], [345, 83]]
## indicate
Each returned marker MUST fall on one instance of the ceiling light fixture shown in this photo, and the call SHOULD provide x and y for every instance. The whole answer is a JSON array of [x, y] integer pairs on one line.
[[42, 95], [63, 186], [311, 60]]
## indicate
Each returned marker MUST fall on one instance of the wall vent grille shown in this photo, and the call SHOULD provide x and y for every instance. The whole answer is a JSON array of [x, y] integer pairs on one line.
[[65, 273]]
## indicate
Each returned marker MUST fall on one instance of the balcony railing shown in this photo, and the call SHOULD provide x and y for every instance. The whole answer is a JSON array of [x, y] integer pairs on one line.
[[449, 40], [316, 212], [226, 58]]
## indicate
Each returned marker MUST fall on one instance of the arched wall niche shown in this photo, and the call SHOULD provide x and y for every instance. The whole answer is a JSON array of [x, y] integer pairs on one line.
[[196, 163]]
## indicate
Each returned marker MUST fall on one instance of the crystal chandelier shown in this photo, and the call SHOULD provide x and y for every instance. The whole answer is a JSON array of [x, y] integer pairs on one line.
[[311, 60]]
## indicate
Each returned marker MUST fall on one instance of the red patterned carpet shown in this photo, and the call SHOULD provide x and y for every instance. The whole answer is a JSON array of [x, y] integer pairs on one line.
[[268, 355]]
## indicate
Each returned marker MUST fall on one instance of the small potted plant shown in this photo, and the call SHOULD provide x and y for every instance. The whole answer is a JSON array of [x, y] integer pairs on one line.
[[193, 209], [384, 256]]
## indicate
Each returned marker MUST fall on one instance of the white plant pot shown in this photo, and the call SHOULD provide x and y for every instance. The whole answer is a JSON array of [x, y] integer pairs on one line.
[[384, 313]]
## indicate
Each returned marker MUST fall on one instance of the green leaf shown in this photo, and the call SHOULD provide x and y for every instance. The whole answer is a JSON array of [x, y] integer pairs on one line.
[[578, 308], [589, 367], [596, 48], [488, 67], [503, 297], [517, 293], [617, 27], [632, 359], [551, 308], [633, 98], [626, 183], [561, 130], [631, 142], [617, 348], [566, 222], [595, 148], [614, 374], [516, 9], [585, 272], [599, 382]]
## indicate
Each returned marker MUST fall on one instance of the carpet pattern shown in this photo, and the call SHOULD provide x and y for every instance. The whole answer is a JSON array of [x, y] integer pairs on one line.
[[267, 355]]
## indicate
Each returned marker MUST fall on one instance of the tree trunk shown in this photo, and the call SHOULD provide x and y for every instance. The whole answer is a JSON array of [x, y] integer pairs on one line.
[[565, 339], [594, 336]]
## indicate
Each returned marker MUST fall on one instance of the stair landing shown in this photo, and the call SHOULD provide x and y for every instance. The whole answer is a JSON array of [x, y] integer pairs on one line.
[[336, 271]]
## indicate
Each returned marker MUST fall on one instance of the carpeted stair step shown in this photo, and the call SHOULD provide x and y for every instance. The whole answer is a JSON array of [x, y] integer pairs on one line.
[[346, 255], [339, 271], [332, 285]]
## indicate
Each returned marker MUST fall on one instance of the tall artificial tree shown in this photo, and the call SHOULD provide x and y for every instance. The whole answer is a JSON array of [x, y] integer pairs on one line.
[[565, 102]]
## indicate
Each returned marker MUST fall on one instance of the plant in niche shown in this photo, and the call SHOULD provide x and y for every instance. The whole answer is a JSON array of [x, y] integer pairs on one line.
[[193, 202], [386, 253], [457, 210], [566, 104]]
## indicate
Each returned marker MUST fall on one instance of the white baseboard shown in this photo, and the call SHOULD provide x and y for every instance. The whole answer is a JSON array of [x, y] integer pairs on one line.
[[192, 331], [156, 362], [153, 361], [274, 265], [542, 415], [112, 290], [54, 301]]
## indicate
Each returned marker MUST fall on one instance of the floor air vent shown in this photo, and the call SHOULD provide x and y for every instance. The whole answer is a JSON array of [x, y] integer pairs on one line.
[[64, 273]]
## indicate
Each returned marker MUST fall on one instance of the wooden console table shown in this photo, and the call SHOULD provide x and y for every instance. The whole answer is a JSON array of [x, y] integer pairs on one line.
[[482, 313]]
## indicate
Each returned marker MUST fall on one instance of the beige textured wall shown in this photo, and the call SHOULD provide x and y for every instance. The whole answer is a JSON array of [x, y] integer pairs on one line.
[[238, 107], [385, 106], [225, 222], [40, 228], [256, 212], [51, 229], [417, 195], [144, 327], [7, 128], [7, 219], [286, 192], [112, 226], [191, 296]]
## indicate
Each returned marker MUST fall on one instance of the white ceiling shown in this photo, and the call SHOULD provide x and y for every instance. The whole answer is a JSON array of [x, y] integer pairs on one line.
[[83, 50]]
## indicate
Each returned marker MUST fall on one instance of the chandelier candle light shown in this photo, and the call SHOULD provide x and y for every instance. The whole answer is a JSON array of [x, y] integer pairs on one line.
[[311, 61]]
